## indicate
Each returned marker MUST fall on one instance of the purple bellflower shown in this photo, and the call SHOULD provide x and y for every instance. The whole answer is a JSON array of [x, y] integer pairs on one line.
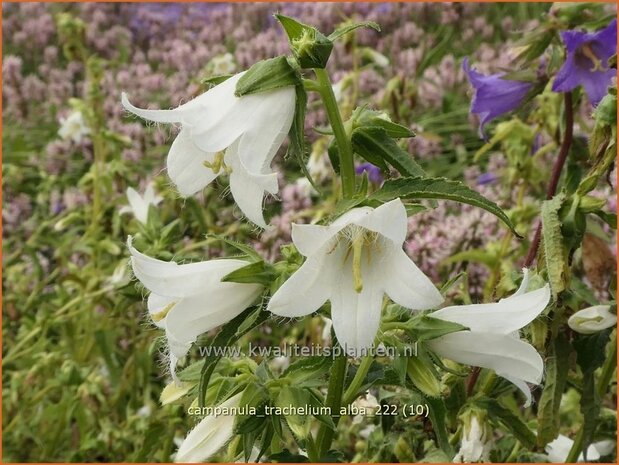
[[586, 63], [374, 174], [494, 96]]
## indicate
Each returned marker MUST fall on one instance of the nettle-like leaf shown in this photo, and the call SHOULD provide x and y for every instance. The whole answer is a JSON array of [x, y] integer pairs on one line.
[[417, 188], [554, 251]]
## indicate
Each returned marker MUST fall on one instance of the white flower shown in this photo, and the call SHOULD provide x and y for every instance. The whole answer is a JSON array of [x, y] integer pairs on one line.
[[493, 340], [559, 449], [210, 435], [73, 127], [223, 64], [188, 300], [353, 263], [476, 442], [592, 319], [138, 205], [250, 129]]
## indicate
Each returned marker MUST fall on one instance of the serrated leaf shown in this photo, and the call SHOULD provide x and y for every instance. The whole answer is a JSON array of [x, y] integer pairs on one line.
[[508, 419], [552, 239], [267, 75], [348, 28], [439, 188], [372, 142], [557, 366], [256, 396], [307, 368], [247, 250]]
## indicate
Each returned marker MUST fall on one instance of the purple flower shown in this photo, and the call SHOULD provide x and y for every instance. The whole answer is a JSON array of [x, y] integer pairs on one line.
[[494, 96], [486, 178], [373, 172], [586, 63]]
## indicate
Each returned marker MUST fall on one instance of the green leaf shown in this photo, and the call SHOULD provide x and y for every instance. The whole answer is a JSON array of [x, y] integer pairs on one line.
[[348, 28], [289, 398], [423, 376], [267, 75], [557, 366], [508, 419], [228, 335], [256, 272], [554, 252], [373, 142], [439, 188], [307, 369]]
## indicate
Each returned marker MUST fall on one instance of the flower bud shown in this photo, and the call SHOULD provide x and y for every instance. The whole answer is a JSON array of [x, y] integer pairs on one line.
[[592, 319]]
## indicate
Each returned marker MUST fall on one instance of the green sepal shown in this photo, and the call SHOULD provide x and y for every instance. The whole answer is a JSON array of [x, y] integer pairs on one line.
[[256, 272], [423, 376], [424, 327], [310, 47], [215, 80], [363, 116], [267, 75], [254, 396], [348, 28]]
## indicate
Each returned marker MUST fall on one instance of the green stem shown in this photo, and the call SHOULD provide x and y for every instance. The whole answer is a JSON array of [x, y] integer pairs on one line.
[[353, 389], [576, 448], [347, 166], [334, 402], [610, 364]]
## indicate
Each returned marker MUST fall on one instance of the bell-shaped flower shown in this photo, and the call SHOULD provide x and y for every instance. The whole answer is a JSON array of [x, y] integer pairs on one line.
[[353, 263], [249, 129], [139, 205], [189, 300], [586, 63], [492, 340], [494, 96], [592, 319], [210, 435]]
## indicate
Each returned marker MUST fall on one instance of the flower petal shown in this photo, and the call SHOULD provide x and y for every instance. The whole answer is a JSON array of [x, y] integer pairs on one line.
[[311, 281], [186, 166], [158, 116], [592, 319], [504, 354], [389, 220], [138, 205], [503, 317], [156, 305], [356, 316], [405, 283], [210, 435], [174, 280]]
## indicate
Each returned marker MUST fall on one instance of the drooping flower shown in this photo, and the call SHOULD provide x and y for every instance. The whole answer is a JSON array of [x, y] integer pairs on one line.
[[492, 340], [352, 263], [188, 300], [586, 63], [559, 449], [494, 96], [73, 127], [592, 319], [210, 435], [139, 205], [476, 439], [249, 129]]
